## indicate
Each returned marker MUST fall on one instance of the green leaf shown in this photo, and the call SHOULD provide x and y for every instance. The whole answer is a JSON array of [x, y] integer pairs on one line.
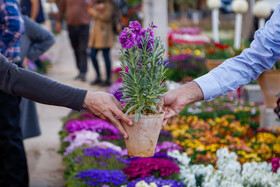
[[128, 110]]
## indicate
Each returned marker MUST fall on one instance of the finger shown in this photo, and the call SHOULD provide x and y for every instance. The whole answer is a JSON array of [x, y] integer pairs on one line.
[[159, 109], [117, 103], [122, 116], [117, 124], [169, 113]]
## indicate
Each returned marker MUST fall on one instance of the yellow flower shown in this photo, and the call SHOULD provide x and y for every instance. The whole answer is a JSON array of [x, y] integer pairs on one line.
[[197, 52], [276, 148]]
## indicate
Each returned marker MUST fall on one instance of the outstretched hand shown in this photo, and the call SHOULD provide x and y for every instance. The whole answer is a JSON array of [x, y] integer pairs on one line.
[[175, 100], [107, 107]]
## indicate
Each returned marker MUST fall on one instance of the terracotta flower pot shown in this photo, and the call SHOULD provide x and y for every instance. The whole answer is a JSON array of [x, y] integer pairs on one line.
[[213, 63], [143, 135], [270, 87]]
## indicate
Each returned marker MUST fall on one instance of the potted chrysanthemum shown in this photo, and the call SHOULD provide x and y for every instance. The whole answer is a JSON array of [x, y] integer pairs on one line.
[[142, 74]]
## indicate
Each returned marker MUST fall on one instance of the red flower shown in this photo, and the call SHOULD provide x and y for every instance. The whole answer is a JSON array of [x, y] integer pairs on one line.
[[220, 46], [144, 167]]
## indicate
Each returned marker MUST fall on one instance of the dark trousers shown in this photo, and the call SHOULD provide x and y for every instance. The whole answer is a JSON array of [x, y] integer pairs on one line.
[[106, 55], [13, 164], [79, 39]]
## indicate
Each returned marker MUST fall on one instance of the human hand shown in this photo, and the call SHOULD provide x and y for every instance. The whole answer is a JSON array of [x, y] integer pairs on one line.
[[25, 63], [58, 27], [175, 100], [107, 107]]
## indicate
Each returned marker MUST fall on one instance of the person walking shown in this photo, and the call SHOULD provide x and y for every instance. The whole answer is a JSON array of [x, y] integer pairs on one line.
[[78, 20], [101, 37]]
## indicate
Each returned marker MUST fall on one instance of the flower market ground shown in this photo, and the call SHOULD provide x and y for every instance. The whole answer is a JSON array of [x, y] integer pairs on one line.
[[45, 165]]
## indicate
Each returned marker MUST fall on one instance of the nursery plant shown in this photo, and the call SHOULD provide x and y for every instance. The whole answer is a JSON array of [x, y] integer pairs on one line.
[[143, 70]]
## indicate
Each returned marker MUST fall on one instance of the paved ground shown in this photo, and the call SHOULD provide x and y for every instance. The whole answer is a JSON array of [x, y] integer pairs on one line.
[[45, 166]]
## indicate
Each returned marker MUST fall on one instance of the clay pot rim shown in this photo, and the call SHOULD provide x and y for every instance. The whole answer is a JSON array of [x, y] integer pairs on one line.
[[150, 116]]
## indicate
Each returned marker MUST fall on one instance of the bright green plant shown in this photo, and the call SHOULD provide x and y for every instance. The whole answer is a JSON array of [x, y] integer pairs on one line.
[[143, 70]]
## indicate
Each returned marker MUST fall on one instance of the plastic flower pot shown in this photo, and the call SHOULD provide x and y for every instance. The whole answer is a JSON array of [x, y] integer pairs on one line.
[[143, 135]]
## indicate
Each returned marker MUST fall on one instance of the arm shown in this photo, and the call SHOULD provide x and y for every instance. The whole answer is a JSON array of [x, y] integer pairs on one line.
[[34, 9], [40, 39], [21, 82], [61, 12], [262, 54], [15, 27]]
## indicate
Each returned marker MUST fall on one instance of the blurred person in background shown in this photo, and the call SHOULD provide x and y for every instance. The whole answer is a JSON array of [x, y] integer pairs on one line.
[[35, 41], [34, 10], [101, 37], [78, 20]]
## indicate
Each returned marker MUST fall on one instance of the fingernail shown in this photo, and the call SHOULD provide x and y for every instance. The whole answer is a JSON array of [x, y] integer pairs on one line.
[[130, 123], [125, 136]]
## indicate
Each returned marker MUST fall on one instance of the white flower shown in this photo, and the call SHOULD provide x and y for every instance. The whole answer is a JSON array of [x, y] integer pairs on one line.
[[142, 183], [152, 184]]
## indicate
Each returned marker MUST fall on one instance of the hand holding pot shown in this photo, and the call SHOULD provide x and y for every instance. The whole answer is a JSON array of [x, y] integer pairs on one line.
[[107, 107], [175, 100]]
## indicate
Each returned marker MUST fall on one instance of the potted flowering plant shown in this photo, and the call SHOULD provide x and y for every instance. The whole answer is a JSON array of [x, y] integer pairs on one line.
[[216, 53], [142, 76], [269, 83]]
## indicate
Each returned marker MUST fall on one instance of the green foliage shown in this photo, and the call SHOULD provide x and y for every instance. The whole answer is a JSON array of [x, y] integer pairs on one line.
[[143, 74]]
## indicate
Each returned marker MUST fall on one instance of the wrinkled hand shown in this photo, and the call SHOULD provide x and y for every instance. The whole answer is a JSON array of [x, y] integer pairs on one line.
[[175, 100], [107, 107]]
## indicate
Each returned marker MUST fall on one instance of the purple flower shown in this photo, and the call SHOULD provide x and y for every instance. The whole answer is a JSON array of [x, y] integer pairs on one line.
[[115, 90], [100, 152], [275, 162], [135, 27], [94, 177], [141, 39], [96, 125], [127, 38]]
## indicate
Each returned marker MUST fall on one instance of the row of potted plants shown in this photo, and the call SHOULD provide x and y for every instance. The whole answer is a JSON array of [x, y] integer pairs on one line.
[[95, 155]]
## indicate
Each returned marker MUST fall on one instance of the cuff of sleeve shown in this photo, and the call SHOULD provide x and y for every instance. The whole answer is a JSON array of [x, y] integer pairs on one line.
[[79, 99], [209, 86]]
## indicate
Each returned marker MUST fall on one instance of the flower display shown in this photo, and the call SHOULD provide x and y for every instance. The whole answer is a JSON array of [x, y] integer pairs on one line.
[[218, 51], [201, 139], [94, 177], [81, 138], [145, 167], [191, 151]]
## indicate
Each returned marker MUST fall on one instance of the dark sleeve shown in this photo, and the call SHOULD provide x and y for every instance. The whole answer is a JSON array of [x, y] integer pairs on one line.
[[33, 86], [40, 38]]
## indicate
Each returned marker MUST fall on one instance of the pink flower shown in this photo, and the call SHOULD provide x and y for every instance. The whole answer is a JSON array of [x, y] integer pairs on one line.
[[275, 162]]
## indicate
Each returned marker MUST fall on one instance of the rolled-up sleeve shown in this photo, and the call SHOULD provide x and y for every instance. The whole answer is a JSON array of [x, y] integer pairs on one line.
[[232, 73]]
